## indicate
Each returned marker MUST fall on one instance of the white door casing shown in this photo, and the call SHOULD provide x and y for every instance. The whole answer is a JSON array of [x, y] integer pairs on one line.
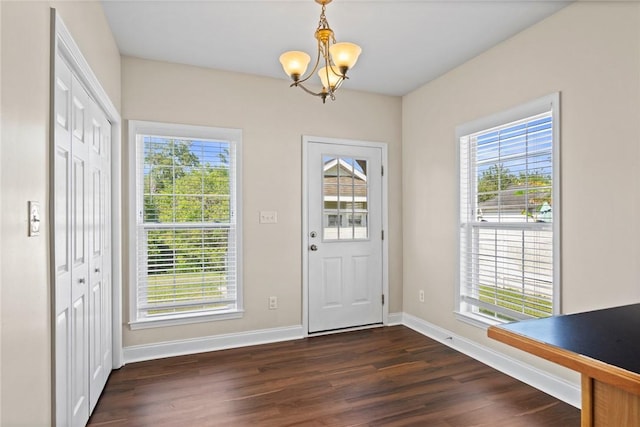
[[344, 251]]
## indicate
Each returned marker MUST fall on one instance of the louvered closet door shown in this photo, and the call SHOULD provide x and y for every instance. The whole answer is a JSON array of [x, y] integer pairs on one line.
[[82, 259]]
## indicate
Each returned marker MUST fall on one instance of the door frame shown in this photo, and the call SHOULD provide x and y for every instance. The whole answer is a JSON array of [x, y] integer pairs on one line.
[[63, 44], [306, 141]]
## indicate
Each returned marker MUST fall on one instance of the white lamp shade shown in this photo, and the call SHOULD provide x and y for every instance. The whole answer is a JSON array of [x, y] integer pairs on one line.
[[333, 78], [294, 62], [345, 54]]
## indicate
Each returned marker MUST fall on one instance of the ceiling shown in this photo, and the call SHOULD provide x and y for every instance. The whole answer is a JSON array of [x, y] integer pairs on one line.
[[405, 44]]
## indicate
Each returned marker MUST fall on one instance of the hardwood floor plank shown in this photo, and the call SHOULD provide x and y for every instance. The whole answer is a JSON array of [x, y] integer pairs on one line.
[[378, 377]]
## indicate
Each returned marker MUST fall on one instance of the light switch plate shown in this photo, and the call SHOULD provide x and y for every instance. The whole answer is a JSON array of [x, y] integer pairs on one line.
[[268, 217], [34, 218]]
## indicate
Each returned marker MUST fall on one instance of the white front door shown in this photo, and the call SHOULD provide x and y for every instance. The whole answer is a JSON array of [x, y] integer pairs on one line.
[[344, 225]]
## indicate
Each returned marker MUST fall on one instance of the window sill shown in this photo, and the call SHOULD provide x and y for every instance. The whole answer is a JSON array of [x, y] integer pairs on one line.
[[184, 320], [475, 320]]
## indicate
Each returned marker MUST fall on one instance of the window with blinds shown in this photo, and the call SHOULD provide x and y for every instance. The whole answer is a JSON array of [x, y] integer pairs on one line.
[[508, 200], [187, 236]]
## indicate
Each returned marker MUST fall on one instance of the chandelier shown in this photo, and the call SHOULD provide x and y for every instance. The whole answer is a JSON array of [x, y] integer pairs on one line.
[[338, 59]]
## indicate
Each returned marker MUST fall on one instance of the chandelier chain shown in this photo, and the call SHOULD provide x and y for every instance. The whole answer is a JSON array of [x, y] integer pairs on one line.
[[323, 19]]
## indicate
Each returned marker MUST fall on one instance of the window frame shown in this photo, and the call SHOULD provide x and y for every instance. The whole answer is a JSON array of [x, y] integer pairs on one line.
[[538, 106], [234, 137]]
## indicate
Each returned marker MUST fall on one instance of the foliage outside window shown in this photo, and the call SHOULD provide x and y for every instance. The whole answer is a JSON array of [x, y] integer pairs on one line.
[[508, 215], [187, 222]]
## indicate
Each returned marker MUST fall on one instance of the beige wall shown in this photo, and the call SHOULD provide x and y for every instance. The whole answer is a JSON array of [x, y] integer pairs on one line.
[[273, 119], [595, 65], [25, 296], [1, 208], [590, 52]]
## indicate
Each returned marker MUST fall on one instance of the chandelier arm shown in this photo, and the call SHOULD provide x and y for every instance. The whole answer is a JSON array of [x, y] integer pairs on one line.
[[315, 67], [339, 72], [340, 81], [323, 46], [323, 94], [310, 92], [332, 90]]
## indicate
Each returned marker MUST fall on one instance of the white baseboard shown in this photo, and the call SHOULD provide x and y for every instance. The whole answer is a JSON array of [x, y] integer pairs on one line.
[[160, 350], [559, 388], [394, 319], [139, 353]]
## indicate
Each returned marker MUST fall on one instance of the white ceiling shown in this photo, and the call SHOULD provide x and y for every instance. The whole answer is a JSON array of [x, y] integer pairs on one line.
[[404, 43]]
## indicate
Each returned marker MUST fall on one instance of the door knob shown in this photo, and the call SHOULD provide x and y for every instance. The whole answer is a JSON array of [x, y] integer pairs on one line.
[[313, 247]]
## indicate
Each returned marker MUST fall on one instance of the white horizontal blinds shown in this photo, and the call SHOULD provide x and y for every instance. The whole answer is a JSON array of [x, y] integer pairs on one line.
[[186, 226], [506, 219]]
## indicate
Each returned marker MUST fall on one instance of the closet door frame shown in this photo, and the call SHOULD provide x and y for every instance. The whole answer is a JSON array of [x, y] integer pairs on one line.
[[63, 45]]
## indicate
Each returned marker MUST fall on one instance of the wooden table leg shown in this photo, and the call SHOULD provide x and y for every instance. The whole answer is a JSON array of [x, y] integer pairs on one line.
[[587, 401], [606, 405]]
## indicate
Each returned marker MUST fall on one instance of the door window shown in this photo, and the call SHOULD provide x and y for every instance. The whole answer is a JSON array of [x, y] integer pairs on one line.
[[345, 195]]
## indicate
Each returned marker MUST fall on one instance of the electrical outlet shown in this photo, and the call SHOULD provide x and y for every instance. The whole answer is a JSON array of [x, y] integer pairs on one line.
[[421, 295], [273, 303], [268, 217]]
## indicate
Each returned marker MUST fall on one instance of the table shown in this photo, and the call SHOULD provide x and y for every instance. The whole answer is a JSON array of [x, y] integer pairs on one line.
[[603, 345]]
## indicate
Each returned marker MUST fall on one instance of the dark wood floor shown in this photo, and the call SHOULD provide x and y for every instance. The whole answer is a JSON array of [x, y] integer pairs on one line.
[[388, 376]]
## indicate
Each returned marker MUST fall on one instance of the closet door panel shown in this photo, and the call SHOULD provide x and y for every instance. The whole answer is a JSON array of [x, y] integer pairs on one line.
[[62, 232], [80, 220], [100, 306]]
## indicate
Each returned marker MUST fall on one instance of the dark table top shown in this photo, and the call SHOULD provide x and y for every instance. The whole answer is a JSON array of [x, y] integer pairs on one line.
[[610, 335]]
